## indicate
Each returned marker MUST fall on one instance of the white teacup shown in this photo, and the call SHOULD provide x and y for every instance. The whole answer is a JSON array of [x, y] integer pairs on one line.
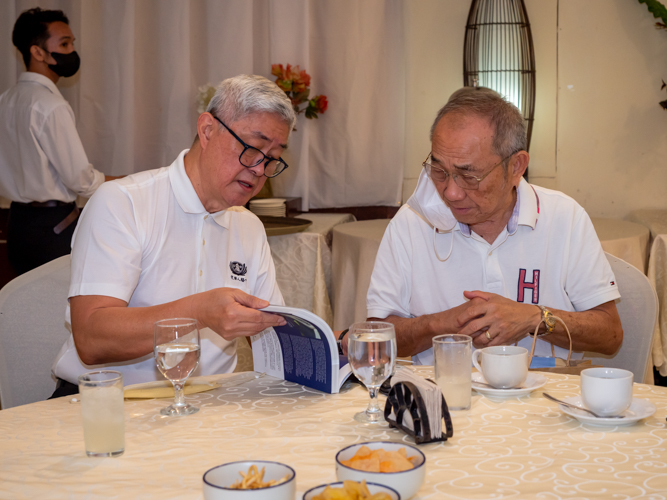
[[503, 366], [606, 391]]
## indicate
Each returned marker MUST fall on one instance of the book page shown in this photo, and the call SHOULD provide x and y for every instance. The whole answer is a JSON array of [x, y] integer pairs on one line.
[[305, 350]]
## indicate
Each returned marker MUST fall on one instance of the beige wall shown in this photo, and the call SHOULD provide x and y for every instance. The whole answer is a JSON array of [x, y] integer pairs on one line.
[[599, 134]]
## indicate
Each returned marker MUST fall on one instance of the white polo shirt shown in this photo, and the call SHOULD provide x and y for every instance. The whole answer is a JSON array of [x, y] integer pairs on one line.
[[549, 254], [41, 155], [147, 239]]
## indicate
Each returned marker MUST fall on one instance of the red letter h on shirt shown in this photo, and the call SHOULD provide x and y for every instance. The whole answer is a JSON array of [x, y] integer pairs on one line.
[[535, 285]]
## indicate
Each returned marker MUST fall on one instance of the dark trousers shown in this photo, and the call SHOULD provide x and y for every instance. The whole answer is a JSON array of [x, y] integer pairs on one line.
[[64, 388], [31, 240]]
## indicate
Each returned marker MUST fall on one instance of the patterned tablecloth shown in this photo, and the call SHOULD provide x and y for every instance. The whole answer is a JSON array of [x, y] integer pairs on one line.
[[303, 264], [502, 448]]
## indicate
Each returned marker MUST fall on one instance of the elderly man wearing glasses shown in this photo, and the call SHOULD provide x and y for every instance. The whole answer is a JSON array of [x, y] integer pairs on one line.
[[177, 242], [478, 251]]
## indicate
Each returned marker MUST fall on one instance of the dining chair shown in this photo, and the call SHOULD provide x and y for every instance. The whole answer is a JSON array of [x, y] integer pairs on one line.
[[638, 310], [32, 331]]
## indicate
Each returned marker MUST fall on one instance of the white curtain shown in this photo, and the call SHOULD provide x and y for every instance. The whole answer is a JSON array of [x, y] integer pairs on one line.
[[143, 60]]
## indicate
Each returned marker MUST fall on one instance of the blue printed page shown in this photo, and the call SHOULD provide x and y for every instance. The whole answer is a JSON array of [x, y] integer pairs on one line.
[[308, 350]]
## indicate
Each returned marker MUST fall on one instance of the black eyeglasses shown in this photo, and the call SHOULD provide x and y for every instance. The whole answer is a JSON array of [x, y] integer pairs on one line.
[[251, 157], [464, 181]]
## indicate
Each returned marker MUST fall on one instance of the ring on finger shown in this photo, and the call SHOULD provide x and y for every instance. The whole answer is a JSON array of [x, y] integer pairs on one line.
[[488, 335]]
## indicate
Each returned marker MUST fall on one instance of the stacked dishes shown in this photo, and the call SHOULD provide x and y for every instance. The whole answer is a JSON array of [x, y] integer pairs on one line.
[[272, 207]]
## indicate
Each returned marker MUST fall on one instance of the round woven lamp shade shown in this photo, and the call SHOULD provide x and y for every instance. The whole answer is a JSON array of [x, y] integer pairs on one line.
[[498, 53]]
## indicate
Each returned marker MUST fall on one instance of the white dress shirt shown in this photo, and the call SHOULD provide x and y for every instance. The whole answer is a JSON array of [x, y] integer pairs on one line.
[[41, 155], [147, 239]]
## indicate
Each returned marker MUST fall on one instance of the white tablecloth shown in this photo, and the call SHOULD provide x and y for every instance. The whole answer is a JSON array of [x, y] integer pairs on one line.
[[517, 448], [654, 219], [354, 248], [303, 264], [623, 239], [657, 275]]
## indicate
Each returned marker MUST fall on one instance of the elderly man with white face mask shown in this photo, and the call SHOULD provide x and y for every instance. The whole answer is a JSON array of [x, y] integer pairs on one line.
[[479, 251]]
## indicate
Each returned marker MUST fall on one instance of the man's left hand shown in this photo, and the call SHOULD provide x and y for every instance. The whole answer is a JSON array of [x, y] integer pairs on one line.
[[497, 317]]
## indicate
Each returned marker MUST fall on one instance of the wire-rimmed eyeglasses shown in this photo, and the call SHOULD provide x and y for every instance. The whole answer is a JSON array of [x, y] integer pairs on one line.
[[464, 181], [251, 157]]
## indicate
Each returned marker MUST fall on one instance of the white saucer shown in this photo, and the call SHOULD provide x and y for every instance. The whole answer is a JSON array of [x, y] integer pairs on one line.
[[533, 381], [639, 409]]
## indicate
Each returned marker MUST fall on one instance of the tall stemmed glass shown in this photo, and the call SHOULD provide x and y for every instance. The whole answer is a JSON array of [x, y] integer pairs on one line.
[[372, 356], [176, 350]]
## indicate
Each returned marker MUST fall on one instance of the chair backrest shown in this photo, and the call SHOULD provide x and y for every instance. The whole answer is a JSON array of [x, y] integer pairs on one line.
[[638, 309], [32, 331]]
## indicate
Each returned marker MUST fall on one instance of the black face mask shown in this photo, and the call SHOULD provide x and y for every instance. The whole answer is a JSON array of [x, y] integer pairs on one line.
[[66, 64]]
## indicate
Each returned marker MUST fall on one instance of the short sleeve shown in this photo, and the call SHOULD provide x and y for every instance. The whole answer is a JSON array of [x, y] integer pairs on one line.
[[106, 247], [389, 291], [589, 281]]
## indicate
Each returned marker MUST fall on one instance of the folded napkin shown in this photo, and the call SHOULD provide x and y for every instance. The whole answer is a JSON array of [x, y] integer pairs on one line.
[[202, 383], [154, 390]]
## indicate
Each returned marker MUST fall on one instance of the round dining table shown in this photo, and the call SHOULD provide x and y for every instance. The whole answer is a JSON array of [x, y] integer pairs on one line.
[[504, 447]]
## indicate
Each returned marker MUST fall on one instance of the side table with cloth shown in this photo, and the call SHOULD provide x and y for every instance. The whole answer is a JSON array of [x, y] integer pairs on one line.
[[657, 275], [354, 248], [656, 221], [625, 240], [519, 448], [303, 264]]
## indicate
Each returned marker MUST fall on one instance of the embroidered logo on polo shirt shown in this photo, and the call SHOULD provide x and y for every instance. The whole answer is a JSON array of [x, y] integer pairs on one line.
[[239, 270], [527, 285]]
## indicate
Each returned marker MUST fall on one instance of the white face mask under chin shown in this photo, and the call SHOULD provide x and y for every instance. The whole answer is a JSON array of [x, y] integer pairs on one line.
[[451, 243]]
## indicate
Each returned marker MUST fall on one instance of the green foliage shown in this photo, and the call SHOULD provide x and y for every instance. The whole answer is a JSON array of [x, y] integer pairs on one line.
[[656, 8]]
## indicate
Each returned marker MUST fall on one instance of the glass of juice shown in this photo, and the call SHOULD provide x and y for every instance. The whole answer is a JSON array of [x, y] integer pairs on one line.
[[103, 413], [453, 369]]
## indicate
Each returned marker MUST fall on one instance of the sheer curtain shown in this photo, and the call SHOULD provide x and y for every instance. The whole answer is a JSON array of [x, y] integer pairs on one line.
[[142, 62]]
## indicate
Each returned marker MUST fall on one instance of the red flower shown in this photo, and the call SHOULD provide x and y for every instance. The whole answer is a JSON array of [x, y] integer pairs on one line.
[[295, 82], [321, 103]]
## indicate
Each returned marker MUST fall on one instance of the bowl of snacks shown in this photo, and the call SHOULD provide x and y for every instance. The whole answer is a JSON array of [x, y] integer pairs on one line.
[[251, 480], [351, 490], [397, 465]]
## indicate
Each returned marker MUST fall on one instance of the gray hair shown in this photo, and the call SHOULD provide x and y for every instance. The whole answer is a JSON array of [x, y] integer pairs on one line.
[[242, 95], [505, 118]]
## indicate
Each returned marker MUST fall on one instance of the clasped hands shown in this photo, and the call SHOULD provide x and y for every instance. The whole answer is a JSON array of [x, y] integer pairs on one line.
[[491, 319]]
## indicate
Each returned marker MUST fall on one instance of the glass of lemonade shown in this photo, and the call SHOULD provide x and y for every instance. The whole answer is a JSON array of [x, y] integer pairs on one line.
[[177, 348], [103, 413], [453, 369], [372, 354]]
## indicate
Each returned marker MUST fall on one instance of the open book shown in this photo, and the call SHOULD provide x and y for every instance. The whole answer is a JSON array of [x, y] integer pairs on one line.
[[303, 351]]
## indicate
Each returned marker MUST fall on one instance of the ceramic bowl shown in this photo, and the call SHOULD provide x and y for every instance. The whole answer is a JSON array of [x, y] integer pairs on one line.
[[372, 487], [217, 481], [407, 483]]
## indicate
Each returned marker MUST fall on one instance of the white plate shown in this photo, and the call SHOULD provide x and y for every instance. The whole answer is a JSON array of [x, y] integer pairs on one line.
[[639, 409], [533, 381]]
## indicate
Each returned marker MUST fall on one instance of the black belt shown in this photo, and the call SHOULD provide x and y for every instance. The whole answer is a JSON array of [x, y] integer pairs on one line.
[[63, 224], [45, 204]]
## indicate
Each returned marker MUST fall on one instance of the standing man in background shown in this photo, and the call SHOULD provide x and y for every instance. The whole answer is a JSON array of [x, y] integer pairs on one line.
[[43, 166]]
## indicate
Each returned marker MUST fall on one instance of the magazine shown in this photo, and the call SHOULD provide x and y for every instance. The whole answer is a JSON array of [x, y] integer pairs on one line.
[[304, 351]]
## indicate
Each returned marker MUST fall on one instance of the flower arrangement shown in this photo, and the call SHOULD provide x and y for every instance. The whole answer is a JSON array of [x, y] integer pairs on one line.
[[204, 94], [295, 82]]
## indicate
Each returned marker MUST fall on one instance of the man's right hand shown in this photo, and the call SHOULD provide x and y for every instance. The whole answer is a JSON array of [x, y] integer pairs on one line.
[[232, 313]]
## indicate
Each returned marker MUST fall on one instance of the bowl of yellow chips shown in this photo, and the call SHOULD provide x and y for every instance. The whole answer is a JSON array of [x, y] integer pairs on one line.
[[250, 480], [351, 490], [396, 465]]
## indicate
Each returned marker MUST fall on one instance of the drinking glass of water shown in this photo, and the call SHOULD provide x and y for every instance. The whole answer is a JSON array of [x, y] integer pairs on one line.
[[372, 356], [176, 349]]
